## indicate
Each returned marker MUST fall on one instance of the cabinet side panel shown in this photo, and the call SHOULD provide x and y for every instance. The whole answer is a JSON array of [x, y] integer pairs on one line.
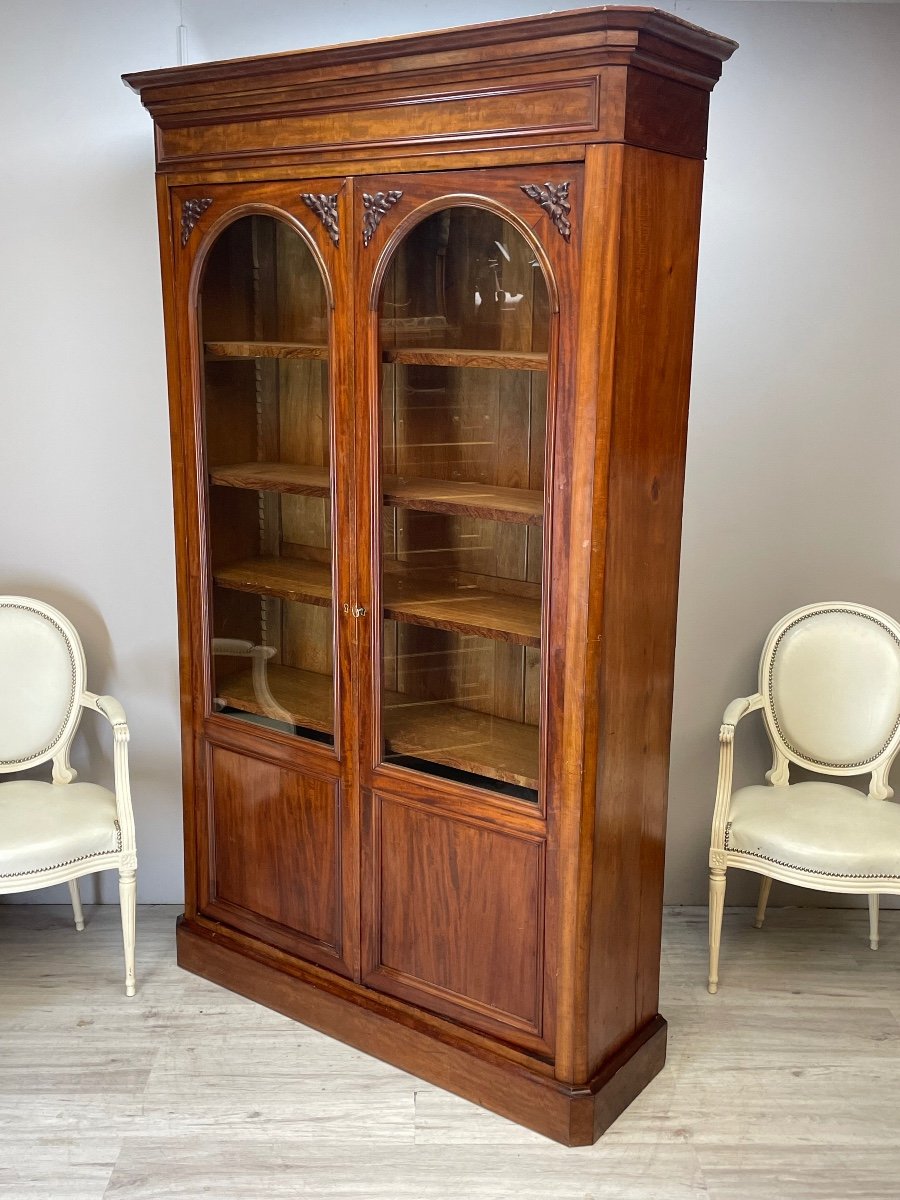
[[660, 214]]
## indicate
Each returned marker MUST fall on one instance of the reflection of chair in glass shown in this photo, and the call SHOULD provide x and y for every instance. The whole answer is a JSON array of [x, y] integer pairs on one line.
[[56, 832], [259, 656], [829, 691]]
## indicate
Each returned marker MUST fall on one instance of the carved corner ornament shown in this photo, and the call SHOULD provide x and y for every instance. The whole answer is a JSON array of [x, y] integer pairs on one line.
[[326, 209], [554, 200], [375, 208], [191, 212]]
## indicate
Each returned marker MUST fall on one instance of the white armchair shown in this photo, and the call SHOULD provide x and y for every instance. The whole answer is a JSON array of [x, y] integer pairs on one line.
[[829, 693], [56, 832]]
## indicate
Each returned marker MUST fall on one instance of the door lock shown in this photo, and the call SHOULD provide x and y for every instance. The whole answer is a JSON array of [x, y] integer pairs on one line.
[[357, 610]]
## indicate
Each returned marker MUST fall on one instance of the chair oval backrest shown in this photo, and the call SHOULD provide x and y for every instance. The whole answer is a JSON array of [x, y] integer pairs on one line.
[[42, 675], [830, 681]]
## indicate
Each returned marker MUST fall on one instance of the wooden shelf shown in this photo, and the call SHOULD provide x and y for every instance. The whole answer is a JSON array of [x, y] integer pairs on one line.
[[495, 615], [306, 695], [434, 356], [274, 477], [441, 732], [461, 738], [287, 578], [473, 610], [518, 505], [266, 350], [426, 356]]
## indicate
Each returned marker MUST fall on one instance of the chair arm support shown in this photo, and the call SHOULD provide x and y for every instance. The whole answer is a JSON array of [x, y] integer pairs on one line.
[[735, 711], [110, 708]]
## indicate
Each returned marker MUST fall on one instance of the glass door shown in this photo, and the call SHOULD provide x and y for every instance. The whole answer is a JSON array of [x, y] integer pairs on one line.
[[464, 321], [264, 329]]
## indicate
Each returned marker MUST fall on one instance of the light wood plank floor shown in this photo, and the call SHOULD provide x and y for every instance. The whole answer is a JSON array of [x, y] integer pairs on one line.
[[785, 1086]]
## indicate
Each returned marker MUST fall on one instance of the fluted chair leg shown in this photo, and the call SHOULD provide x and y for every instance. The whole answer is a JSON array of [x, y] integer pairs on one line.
[[127, 900], [873, 920], [76, 904], [716, 908], [765, 886]]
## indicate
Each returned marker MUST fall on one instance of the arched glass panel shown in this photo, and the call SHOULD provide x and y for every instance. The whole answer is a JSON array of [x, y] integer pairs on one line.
[[267, 421], [464, 321]]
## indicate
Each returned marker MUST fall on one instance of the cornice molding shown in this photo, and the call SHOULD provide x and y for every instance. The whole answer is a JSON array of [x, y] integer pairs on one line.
[[605, 35]]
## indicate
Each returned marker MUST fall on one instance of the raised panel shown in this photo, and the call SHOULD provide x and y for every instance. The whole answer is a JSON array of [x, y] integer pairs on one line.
[[457, 916], [275, 851]]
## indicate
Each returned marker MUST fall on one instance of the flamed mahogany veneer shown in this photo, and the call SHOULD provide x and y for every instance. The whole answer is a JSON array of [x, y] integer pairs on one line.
[[429, 306]]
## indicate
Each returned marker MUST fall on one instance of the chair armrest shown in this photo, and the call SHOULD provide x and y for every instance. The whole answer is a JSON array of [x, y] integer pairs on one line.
[[735, 711], [110, 708], [740, 707]]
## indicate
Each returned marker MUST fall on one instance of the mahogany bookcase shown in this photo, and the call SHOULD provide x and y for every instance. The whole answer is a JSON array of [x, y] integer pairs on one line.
[[429, 306]]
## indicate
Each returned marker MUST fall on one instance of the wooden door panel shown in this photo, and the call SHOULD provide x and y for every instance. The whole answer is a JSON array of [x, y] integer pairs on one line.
[[457, 917], [271, 820], [275, 854]]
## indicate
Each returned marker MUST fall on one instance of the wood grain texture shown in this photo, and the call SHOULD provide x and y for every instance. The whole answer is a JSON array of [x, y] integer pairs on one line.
[[307, 695], [464, 738], [653, 300], [504, 360], [517, 505], [277, 476], [457, 923], [543, 108], [260, 349], [276, 857], [534, 80], [289, 578], [443, 733], [464, 608]]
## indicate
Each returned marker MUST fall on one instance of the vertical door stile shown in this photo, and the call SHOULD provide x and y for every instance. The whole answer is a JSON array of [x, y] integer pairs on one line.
[[350, 470]]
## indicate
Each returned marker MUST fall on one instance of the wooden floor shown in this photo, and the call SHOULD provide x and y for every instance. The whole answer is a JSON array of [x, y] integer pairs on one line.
[[785, 1086]]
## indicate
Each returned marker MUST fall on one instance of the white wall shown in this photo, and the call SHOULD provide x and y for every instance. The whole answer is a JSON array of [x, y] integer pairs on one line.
[[86, 518], [791, 488]]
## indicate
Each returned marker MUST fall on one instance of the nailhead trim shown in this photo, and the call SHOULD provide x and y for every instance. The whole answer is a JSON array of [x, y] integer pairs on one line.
[[778, 862], [70, 862], [819, 762], [11, 762]]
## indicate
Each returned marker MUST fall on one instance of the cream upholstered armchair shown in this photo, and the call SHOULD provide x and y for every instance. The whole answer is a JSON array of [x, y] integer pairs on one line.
[[56, 832], [829, 692]]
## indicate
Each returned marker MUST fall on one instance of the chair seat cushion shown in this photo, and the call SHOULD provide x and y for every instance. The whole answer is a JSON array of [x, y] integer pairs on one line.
[[823, 828], [47, 825]]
